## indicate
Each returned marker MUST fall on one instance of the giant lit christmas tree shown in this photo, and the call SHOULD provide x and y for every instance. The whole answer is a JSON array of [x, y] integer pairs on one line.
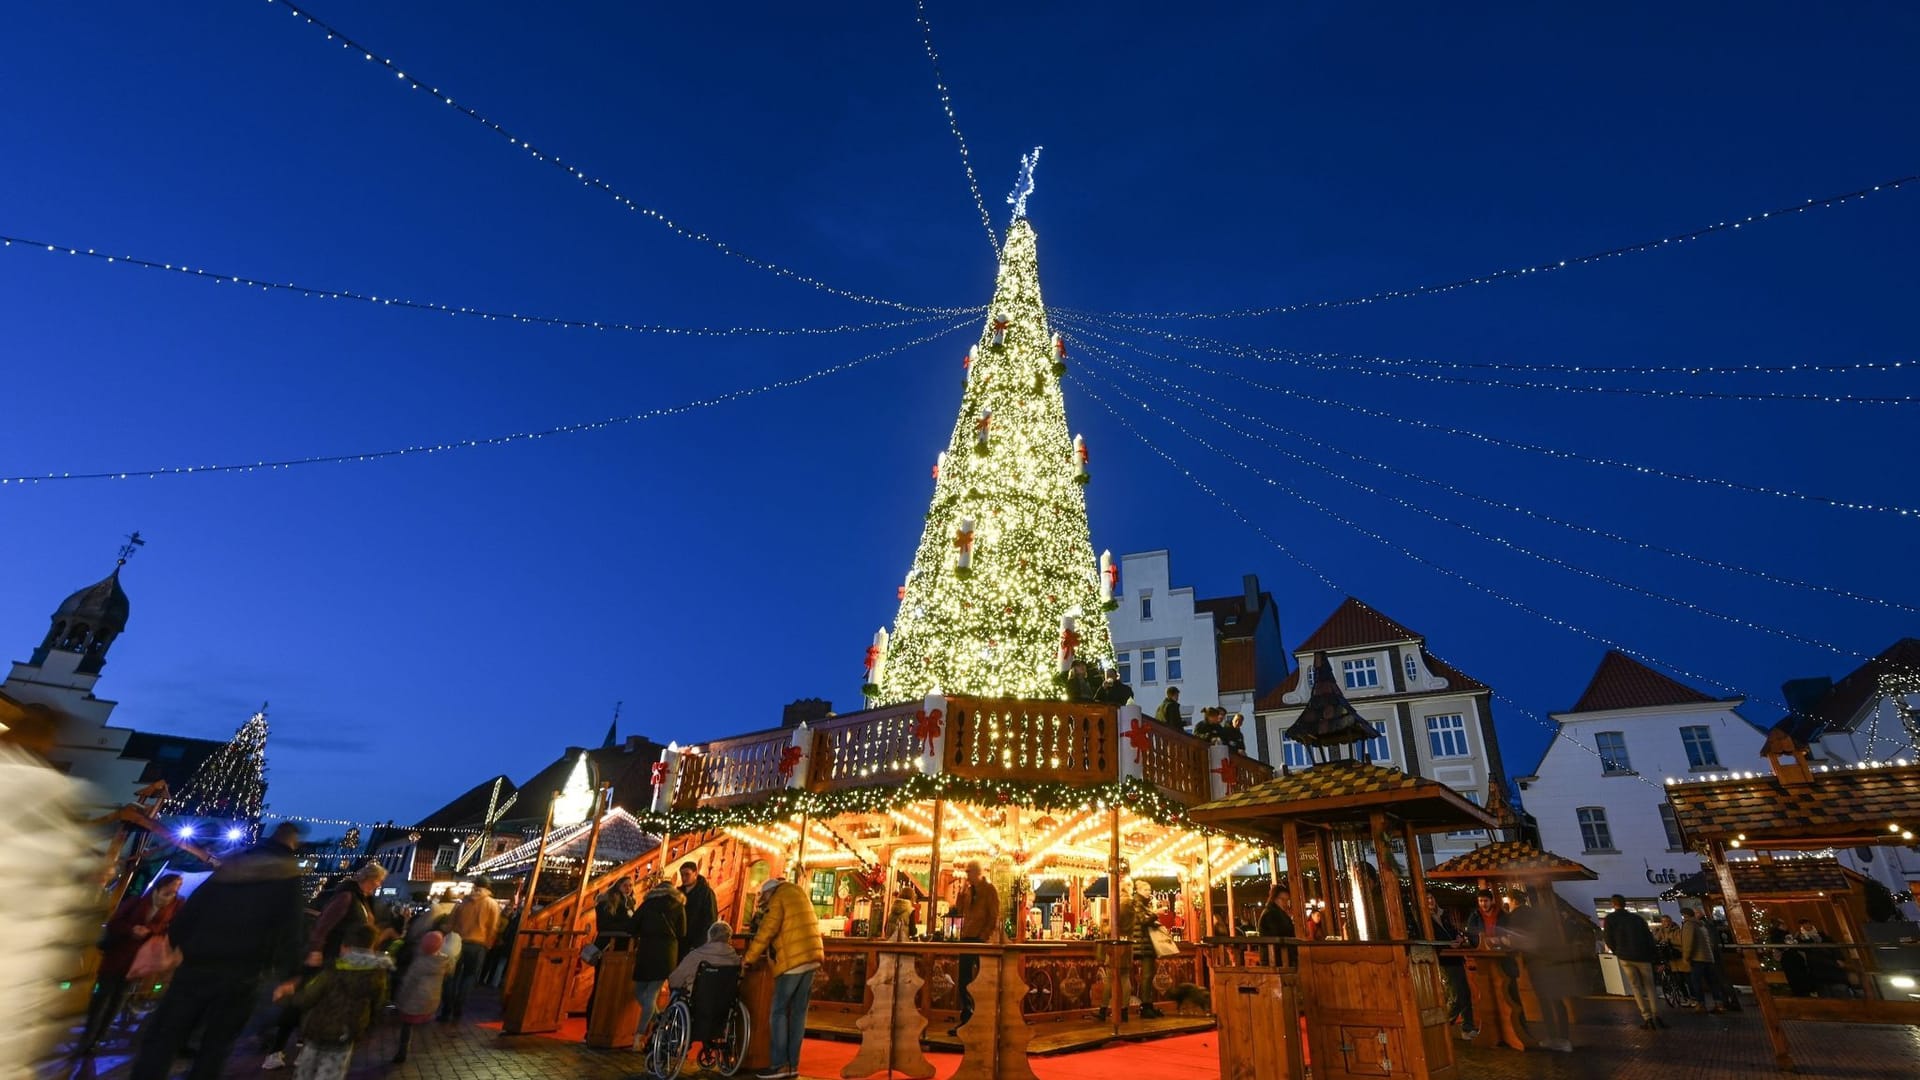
[[1005, 587], [228, 792]]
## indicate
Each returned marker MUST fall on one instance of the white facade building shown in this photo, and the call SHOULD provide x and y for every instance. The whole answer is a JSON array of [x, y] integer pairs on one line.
[[1599, 792], [1159, 639], [1433, 719]]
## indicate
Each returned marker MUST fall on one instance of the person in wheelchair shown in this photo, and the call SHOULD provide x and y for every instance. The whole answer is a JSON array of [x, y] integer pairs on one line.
[[704, 1008], [717, 952]]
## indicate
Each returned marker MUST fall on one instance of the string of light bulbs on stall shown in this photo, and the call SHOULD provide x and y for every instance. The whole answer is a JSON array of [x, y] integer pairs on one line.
[[1312, 568], [1515, 508], [316, 292], [1179, 394], [953, 122], [1386, 295], [1383, 367], [490, 440], [514, 140], [1447, 571], [1837, 502]]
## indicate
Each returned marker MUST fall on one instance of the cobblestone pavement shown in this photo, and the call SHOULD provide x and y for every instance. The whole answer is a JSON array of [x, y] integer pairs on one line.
[[1610, 1046]]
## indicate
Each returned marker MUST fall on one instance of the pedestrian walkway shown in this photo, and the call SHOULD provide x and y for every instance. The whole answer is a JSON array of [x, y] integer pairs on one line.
[[1610, 1046]]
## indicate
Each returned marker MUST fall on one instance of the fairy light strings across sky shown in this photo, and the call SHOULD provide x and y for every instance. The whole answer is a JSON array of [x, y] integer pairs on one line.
[[581, 428], [1835, 501], [515, 140], [953, 122]]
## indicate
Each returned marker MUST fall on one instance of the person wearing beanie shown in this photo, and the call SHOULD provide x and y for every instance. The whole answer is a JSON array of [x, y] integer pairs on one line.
[[418, 998]]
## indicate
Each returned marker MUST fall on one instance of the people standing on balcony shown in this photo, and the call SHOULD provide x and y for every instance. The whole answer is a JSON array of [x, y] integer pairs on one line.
[[788, 938], [477, 920], [1169, 711], [657, 928], [1112, 690], [702, 908], [979, 909], [1212, 726], [1233, 736], [1080, 685]]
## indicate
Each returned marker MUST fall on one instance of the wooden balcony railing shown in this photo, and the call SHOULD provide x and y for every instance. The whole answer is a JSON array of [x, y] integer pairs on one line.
[[1249, 771], [865, 749], [1032, 740], [1173, 761], [732, 771]]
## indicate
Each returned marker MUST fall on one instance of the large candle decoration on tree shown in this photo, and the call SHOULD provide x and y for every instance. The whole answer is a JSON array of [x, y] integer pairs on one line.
[[1059, 355], [1069, 641], [1079, 460], [966, 361], [1109, 575], [938, 462], [963, 546], [877, 657], [980, 428], [1000, 325]]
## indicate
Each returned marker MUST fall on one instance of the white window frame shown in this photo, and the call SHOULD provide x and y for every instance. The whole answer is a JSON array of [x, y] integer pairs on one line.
[[1123, 663], [1442, 734], [1352, 671], [1149, 667], [1380, 748], [1596, 834], [1470, 834], [1294, 754], [1672, 824], [1608, 765], [1696, 737], [1146, 607], [1412, 667], [1174, 666]]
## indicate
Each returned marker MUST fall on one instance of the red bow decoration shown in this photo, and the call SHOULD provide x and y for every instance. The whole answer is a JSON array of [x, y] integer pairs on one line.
[[1001, 324], [926, 727], [903, 592], [1229, 773], [967, 361], [963, 541], [1113, 575], [1083, 452], [659, 773], [936, 470], [789, 758], [983, 424], [1069, 641], [873, 653], [1141, 736]]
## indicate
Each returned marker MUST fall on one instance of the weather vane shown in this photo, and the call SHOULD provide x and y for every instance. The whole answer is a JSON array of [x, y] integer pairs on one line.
[[134, 544], [1023, 187]]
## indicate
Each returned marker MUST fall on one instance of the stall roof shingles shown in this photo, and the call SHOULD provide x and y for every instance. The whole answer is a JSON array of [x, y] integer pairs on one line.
[[1837, 804], [1511, 856]]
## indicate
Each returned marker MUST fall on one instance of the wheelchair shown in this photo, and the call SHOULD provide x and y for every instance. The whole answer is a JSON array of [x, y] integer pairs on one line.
[[712, 1015]]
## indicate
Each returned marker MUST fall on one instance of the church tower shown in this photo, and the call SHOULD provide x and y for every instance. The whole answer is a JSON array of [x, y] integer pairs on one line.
[[83, 628]]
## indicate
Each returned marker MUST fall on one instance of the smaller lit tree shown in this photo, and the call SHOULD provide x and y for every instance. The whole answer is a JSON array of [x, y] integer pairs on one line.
[[226, 795]]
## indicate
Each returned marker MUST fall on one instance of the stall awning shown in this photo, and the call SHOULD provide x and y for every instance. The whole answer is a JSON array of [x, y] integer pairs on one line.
[[1338, 790], [621, 840], [1512, 860]]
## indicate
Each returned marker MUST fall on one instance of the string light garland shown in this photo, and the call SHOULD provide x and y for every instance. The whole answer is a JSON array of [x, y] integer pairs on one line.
[[953, 122], [1439, 568], [1728, 225], [1834, 501], [491, 440], [316, 292], [1299, 560], [1515, 508], [1383, 367], [514, 140], [1178, 394]]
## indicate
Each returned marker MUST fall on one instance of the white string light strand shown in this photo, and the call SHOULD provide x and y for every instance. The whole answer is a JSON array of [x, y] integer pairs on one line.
[[953, 122], [491, 440], [400, 75], [1515, 508], [1837, 502], [1298, 559], [1415, 556], [315, 292], [1728, 225], [1393, 368], [1179, 394]]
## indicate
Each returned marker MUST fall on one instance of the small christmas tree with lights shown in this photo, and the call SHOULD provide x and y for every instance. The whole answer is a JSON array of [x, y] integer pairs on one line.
[[228, 791], [1005, 590]]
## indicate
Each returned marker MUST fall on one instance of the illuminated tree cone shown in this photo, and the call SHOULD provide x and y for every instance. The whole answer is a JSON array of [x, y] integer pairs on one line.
[[981, 612], [230, 787]]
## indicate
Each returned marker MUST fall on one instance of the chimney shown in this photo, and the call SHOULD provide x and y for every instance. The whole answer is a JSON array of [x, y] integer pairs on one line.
[[805, 711], [1251, 583]]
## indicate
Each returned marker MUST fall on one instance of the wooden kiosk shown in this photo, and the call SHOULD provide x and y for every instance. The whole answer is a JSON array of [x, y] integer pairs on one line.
[[1371, 990], [1800, 807]]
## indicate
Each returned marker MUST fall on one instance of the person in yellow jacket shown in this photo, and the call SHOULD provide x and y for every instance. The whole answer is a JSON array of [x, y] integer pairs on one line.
[[788, 938]]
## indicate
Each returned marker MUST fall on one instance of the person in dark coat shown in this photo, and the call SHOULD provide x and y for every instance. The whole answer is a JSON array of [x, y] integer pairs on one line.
[[1233, 735], [139, 919], [703, 910], [1169, 711], [613, 915], [1080, 685], [658, 927], [1454, 968], [240, 924], [1112, 690], [1630, 940]]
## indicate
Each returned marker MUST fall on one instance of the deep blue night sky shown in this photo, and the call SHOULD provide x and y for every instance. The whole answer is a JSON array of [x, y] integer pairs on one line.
[[423, 623]]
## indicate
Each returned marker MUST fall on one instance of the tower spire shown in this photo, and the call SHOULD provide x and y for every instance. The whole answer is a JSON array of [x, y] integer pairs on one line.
[[1005, 587]]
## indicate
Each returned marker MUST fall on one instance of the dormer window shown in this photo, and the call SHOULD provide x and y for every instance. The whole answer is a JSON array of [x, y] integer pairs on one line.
[[1360, 674]]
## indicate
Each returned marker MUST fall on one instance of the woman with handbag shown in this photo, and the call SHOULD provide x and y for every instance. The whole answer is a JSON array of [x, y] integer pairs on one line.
[[1139, 923], [136, 940]]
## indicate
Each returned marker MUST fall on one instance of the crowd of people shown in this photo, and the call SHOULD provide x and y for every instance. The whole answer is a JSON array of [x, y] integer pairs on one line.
[[1087, 683]]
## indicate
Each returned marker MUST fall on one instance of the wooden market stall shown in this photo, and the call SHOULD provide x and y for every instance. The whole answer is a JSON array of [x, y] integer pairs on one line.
[[1496, 978], [1372, 991], [1800, 807], [1782, 891]]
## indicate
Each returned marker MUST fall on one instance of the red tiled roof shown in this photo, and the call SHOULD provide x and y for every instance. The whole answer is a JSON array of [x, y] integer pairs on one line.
[[1353, 623], [1621, 682], [1235, 659], [1270, 701], [1838, 707], [1456, 679]]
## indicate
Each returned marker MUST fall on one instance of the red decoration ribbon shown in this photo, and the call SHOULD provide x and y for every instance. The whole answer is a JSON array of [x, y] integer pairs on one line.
[[1141, 736], [873, 657], [659, 773], [1083, 452], [1069, 641], [789, 758], [1113, 575], [926, 727], [963, 541], [1229, 773]]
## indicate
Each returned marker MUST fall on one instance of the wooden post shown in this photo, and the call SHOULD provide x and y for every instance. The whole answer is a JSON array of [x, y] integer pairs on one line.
[[1389, 879], [1743, 934], [1296, 878], [1329, 887], [586, 864], [1233, 925], [1119, 958], [1206, 888], [526, 906], [1419, 875], [799, 853], [933, 873]]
